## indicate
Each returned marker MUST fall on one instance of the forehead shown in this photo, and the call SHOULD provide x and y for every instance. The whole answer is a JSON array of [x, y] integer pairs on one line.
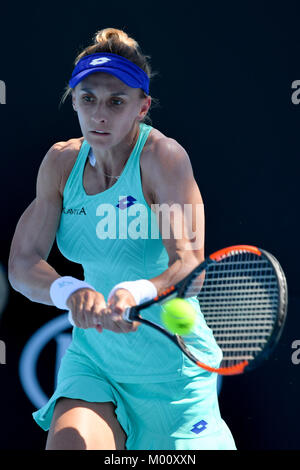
[[102, 81]]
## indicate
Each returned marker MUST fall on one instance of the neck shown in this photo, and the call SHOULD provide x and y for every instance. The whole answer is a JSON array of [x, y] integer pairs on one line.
[[112, 161]]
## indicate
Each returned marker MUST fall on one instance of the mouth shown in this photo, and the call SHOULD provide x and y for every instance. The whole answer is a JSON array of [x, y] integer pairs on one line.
[[99, 132]]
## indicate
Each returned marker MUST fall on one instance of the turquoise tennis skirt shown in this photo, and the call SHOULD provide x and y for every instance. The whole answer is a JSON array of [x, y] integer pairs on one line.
[[174, 415]]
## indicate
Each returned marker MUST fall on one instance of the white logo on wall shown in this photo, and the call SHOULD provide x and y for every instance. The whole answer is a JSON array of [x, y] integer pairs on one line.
[[55, 329], [296, 94], [100, 61], [4, 293]]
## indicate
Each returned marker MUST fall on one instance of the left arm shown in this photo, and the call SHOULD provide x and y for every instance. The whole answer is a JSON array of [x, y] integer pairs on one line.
[[178, 199], [180, 213]]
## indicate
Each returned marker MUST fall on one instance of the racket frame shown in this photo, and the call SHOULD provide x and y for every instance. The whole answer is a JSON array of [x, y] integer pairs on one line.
[[178, 290]]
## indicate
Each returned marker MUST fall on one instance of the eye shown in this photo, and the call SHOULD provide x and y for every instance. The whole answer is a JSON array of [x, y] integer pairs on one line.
[[87, 98], [117, 101]]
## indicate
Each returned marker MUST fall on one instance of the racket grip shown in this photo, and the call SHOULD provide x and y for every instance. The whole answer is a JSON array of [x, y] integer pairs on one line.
[[126, 315]]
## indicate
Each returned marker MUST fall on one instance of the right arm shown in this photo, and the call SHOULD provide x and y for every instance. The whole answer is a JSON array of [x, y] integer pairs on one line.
[[28, 271]]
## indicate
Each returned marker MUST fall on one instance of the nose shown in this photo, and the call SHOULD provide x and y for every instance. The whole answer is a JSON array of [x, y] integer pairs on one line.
[[99, 115]]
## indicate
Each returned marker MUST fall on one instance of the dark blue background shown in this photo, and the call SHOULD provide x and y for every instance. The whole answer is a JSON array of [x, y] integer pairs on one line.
[[224, 85]]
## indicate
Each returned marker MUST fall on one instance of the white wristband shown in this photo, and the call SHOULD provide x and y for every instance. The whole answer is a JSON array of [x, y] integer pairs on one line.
[[63, 287], [142, 290]]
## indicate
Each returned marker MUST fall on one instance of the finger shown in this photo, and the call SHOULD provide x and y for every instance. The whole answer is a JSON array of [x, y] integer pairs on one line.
[[123, 325], [75, 305], [92, 303], [76, 320], [99, 328], [111, 321], [114, 298], [74, 313], [84, 317], [97, 324], [88, 307], [117, 315], [108, 321], [98, 312], [86, 323], [120, 304], [121, 298]]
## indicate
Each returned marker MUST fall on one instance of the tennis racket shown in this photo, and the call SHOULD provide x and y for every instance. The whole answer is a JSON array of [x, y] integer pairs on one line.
[[242, 292]]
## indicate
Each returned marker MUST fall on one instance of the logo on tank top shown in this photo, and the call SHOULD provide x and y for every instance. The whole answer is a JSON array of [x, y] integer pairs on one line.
[[72, 211], [126, 202]]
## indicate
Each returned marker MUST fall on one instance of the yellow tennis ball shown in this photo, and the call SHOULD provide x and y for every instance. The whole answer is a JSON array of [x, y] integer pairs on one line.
[[178, 316]]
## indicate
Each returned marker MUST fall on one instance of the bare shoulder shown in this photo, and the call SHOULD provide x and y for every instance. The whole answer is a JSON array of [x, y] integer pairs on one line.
[[163, 159], [60, 160], [164, 153]]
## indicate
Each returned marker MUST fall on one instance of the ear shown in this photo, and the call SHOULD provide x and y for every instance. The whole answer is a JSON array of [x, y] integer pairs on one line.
[[145, 107], [73, 101]]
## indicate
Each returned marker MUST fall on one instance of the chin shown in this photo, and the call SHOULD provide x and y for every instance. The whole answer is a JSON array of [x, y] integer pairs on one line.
[[99, 141]]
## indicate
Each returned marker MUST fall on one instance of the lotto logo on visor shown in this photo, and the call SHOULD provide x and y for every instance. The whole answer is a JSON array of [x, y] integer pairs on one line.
[[114, 64], [100, 61]]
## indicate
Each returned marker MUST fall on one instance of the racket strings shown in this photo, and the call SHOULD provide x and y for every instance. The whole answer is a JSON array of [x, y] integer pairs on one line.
[[239, 300]]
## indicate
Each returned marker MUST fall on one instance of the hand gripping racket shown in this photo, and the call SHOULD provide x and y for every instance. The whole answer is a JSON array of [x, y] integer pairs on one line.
[[242, 292]]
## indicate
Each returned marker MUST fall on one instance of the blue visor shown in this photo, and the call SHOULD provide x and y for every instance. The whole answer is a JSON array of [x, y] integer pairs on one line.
[[116, 65]]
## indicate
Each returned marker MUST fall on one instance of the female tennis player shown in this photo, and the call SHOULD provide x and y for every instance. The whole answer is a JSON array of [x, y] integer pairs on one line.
[[120, 385]]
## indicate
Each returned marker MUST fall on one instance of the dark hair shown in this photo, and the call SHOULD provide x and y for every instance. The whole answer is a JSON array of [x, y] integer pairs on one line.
[[117, 42]]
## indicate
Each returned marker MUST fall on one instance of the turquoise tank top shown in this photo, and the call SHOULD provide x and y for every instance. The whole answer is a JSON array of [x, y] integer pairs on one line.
[[114, 235]]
